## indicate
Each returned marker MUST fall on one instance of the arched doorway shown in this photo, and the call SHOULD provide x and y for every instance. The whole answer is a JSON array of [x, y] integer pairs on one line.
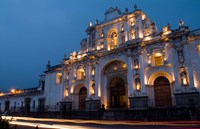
[[82, 97], [162, 92], [117, 93]]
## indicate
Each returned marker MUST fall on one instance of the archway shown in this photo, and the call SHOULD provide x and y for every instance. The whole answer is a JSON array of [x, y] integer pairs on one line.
[[82, 97], [117, 93], [162, 92]]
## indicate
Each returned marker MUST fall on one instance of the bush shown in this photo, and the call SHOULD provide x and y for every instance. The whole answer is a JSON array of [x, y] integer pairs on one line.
[[4, 124]]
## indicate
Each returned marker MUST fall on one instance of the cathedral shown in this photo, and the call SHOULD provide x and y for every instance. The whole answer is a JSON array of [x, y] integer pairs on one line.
[[123, 63]]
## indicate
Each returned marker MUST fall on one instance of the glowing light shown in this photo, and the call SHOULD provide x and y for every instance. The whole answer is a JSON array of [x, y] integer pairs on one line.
[[185, 81], [138, 84], [90, 24], [136, 67], [102, 45], [79, 56], [147, 38], [124, 66], [132, 23], [72, 89], [122, 28], [141, 35], [149, 60], [66, 93], [93, 71], [12, 91], [38, 122], [98, 48], [143, 16], [1, 94], [166, 30], [138, 87], [198, 48], [158, 54], [133, 34], [58, 78]]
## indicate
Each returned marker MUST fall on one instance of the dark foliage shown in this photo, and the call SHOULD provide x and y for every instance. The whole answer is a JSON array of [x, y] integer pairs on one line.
[[4, 124]]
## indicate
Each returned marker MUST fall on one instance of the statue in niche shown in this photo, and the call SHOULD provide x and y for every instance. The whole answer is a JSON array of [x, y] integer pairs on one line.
[[181, 23], [113, 40], [181, 56]]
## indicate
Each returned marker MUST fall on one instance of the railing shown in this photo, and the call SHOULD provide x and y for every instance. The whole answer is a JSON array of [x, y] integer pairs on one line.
[[152, 103]]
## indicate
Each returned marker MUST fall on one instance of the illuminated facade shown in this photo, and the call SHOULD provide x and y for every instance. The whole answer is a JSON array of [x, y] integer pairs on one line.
[[125, 62]]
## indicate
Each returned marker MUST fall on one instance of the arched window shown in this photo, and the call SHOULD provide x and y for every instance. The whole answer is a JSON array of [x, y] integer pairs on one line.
[[58, 78], [137, 84], [112, 40], [184, 78], [158, 59], [80, 73]]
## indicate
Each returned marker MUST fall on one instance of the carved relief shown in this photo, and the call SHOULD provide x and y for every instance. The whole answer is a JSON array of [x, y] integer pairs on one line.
[[132, 34], [149, 27], [116, 66], [180, 56]]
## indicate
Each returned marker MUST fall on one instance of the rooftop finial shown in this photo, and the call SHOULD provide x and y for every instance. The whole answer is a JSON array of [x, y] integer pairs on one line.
[[135, 7], [97, 21], [48, 65], [181, 23], [126, 10], [90, 24], [64, 56]]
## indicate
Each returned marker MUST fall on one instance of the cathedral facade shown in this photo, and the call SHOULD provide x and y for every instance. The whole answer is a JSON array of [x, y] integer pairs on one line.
[[123, 63]]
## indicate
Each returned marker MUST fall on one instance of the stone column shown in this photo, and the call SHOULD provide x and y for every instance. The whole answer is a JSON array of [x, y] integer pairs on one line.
[[130, 73], [175, 69], [188, 64], [89, 78], [141, 72], [97, 86], [139, 27]]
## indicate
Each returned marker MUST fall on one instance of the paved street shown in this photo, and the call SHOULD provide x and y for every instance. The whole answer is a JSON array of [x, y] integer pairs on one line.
[[45, 123]]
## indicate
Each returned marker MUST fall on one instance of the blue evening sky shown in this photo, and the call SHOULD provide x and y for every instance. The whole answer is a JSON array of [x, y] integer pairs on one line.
[[35, 31]]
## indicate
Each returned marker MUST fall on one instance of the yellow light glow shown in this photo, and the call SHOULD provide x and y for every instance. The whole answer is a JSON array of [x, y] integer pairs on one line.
[[168, 32], [185, 81], [93, 72], [143, 16], [132, 23], [147, 38], [12, 90], [138, 87], [157, 54], [101, 46], [141, 35], [145, 80], [92, 91], [136, 67], [79, 56], [58, 78], [124, 66], [66, 93], [72, 89], [149, 61], [98, 48], [1, 94]]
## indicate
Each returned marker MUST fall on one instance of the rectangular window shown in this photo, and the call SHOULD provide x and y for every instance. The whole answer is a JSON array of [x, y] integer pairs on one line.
[[123, 39], [158, 61]]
